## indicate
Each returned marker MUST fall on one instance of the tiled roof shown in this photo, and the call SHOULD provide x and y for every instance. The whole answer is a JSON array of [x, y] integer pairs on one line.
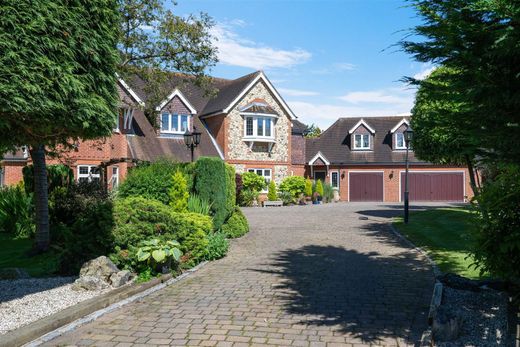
[[298, 128], [335, 142]]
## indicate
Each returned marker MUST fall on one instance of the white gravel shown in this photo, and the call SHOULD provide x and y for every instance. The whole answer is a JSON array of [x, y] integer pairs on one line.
[[484, 317], [24, 301]]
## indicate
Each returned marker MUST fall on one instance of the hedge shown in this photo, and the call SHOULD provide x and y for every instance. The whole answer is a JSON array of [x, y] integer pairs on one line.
[[236, 225], [138, 218], [153, 181], [212, 182]]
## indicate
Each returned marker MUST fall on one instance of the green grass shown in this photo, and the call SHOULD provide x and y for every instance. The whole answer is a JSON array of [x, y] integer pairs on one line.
[[14, 253], [447, 235]]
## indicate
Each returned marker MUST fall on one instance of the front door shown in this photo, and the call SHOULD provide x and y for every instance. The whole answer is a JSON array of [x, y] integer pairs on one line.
[[319, 175]]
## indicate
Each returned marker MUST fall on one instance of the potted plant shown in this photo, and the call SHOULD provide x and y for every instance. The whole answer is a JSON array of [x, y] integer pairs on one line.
[[316, 198]]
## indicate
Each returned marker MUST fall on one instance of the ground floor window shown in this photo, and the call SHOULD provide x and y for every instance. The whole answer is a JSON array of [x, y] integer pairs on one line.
[[88, 173], [265, 173], [334, 179]]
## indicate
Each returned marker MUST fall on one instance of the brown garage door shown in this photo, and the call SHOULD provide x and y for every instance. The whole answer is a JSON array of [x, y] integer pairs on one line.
[[434, 186], [366, 186]]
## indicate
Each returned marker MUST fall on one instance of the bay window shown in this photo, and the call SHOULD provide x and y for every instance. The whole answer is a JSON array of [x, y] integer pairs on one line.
[[258, 127]]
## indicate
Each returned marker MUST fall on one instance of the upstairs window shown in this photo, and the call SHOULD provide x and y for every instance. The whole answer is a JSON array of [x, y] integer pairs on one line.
[[399, 141], [361, 141], [172, 123], [258, 127]]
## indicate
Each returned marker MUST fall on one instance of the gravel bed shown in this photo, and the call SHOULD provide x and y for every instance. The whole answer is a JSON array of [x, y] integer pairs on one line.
[[23, 301], [484, 317]]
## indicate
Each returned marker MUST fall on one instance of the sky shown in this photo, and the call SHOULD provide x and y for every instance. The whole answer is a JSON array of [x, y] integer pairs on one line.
[[328, 58]]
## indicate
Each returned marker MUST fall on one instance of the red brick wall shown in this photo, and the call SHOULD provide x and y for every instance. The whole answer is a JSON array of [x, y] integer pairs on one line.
[[12, 173]]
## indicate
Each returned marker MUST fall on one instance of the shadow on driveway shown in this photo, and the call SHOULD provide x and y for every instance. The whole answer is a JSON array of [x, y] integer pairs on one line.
[[367, 296]]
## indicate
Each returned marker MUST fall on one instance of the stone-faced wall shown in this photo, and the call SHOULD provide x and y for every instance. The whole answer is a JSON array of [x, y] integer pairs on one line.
[[237, 149]]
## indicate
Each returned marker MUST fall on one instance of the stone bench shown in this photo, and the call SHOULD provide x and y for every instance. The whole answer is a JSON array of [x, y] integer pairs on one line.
[[273, 203]]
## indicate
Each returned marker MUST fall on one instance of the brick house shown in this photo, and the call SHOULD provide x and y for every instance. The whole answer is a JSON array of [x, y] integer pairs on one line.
[[246, 123], [364, 159]]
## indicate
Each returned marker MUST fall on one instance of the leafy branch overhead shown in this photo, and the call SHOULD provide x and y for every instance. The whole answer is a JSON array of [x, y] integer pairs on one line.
[[154, 42]]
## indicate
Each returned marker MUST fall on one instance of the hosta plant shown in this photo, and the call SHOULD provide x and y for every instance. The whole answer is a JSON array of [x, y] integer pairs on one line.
[[158, 255]]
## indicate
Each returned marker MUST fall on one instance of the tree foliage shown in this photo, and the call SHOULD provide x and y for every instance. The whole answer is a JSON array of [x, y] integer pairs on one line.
[[479, 42], [312, 131], [155, 41], [253, 182]]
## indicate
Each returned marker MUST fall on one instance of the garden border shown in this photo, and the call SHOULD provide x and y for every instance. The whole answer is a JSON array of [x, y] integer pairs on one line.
[[73, 317]]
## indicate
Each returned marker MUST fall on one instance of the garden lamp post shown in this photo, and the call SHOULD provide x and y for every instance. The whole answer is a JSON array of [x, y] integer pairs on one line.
[[192, 140], [408, 135]]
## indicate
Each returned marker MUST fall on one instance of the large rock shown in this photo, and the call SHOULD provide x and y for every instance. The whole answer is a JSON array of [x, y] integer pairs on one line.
[[101, 268], [120, 278], [89, 283], [446, 325]]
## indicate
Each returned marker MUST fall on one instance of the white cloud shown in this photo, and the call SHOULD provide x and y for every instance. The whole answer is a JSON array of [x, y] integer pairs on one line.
[[325, 114], [390, 96], [344, 66], [296, 92], [425, 72], [237, 51]]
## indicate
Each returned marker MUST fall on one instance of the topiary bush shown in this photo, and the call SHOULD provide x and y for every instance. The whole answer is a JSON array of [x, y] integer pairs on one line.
[[253, 182], [218, 246], [153, 181], [212, 182], [179, 192], [319, 187], [236, 225], [294, 185], [271, 193], [137, 219]]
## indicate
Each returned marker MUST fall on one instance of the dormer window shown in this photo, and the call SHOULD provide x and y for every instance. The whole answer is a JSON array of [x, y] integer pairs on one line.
[[361, 141], [172, 123], [399, 141]]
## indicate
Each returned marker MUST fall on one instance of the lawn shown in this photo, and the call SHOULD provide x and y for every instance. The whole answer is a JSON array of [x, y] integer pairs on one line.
[[13, 253], [446, 234]]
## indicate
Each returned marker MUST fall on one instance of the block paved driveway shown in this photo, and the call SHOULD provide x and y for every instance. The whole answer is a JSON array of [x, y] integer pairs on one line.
[[303, 276]]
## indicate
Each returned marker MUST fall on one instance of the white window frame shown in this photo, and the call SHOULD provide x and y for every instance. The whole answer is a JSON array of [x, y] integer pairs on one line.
[[179, 123], [362, 147], [89, 176], [396, 142], [267, 178], [331, 173], [255, 135], [114, 179]]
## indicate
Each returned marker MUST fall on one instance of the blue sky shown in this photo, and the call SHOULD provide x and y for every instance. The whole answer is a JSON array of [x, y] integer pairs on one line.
[[328, 59]]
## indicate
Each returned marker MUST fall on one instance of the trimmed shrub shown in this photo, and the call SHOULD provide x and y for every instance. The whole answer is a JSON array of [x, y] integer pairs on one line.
[[138, 219], [211, 183], [218, 246], [319, 187], [153, 181], [253, 182], [271, 194], [308, 188], [58, 175], [179, 192], [81, 224], [236, 225], [16, 212], [231, 194], [294, 185]]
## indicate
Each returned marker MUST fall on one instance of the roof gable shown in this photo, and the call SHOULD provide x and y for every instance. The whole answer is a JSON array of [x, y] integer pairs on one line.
[[130, 91], [361, 123], [403, 121], [319, 157], [177, 93]]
